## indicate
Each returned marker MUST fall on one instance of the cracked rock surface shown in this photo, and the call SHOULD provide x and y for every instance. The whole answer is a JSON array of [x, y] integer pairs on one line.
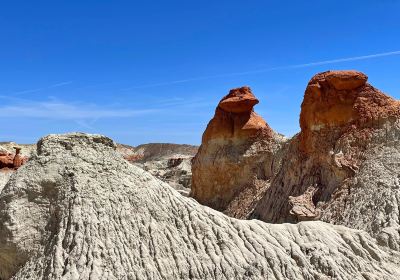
[[77, 210]]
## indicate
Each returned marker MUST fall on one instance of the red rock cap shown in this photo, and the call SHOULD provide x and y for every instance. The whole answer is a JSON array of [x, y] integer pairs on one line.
[[346, 80], [239, 100]]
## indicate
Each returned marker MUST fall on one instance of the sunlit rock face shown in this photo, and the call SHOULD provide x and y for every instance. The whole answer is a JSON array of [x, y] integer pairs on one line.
[[237, 156], [235, 118], [336, 101], [343, 166]]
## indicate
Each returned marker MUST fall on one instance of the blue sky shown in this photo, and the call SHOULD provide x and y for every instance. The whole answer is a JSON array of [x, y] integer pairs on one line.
[[153, 71]]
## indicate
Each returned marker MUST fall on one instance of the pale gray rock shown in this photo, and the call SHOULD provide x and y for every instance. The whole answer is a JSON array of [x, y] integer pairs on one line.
[[169, 162], [176, 170], [77, 210], [368, 199], [157, 151], [372, 201], [172, 163], [4, 177]]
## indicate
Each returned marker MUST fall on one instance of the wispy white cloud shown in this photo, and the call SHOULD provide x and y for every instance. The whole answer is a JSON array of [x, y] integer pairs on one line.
[[86, 124], [60, 84], [66, 111], [264, 70], [42, 88], [347, 59]]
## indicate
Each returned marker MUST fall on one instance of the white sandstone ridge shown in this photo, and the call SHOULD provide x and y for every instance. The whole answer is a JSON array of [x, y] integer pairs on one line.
[[169, 162], [77, 210]]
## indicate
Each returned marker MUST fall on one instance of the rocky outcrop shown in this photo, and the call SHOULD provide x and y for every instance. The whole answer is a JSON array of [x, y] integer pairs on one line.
[[27, 150], [4, 177], [341, 102], [77, 210], [236, 122], [344, 165], [18, 159], [176, 171], [237, 157], [155, 151], [6, 160], [11, 161], [169, 162], [13, 155]]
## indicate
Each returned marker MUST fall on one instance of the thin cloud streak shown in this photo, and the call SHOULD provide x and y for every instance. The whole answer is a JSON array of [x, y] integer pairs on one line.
[[60, 84], [264, 70], [364, 57], [65, 111], [42, 88]]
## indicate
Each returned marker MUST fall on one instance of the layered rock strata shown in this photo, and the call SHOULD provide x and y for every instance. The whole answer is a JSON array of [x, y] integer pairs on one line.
[[77, 210], [237, 156]]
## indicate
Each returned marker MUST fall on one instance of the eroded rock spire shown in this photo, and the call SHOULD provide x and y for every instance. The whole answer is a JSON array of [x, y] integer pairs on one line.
[[236, 156], [343, 166]]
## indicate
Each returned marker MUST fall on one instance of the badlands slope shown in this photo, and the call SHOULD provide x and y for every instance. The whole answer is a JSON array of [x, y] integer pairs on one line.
[[78, 210]]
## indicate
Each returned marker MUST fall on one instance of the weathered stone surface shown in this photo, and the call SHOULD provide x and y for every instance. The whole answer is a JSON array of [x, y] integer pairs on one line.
[[18, 159], [77, 210], [236, 158], [27, 150], [155, 151], [154, 158], [4, 177], [169, 162], [6, 160], [11, 160], [344, 165]]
